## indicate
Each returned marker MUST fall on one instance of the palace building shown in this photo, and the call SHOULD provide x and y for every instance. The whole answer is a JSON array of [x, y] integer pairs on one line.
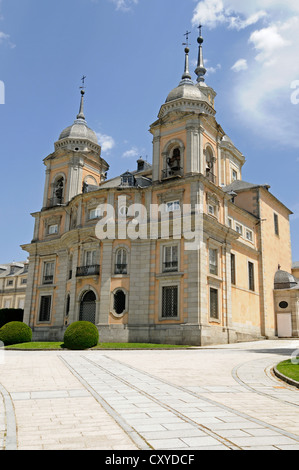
[[236, 285]]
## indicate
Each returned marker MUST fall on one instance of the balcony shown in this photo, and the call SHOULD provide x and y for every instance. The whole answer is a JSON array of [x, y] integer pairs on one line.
[[54, 202], [84, 271], [170, 266], [48, 280], [175, 172], [211, 177], [121, 269]]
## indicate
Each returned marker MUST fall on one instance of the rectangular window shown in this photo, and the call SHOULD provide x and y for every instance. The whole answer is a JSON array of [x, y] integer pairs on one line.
[[211, 209], [249, 235], [230, 222], [90, 258], [276, 224], [45, 309], [234, 175], [173, 206], [7, 304], [233, 269], [213, 261], [170, 302], [21, 303], [24, 281], [48, 273], [170, 258], [214, 307], [251, 276], [239, 229], [95, 214], [53, 229], [9, 283]]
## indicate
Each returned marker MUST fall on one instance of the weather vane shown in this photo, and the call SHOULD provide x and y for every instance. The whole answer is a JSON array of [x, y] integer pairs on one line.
[[187, 39]]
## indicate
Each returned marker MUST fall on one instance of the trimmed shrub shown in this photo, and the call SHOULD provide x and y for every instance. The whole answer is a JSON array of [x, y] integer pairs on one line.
[[8, 315], [81, 335], [15, 333]]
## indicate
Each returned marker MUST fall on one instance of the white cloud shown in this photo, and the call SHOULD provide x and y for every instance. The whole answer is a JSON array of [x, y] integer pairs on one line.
[[133, 152], [238, 23], [264, 92], [211, 13], [240, 65], [268, 41], [124, 5], [106, 142], [211, 69]]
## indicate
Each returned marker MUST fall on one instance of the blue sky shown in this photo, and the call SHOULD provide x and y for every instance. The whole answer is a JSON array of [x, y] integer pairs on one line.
[[131, 52]]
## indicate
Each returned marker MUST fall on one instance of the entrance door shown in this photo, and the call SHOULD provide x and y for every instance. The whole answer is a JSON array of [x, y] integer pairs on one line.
[[284, 325], [88, 307]]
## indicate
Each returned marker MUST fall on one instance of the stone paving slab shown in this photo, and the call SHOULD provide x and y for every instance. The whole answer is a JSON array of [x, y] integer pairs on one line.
[[206, 399]]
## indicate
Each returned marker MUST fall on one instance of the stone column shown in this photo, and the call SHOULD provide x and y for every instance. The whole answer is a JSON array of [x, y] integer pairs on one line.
[[140, 282], [106, 272], [156, 158], [61, 280]]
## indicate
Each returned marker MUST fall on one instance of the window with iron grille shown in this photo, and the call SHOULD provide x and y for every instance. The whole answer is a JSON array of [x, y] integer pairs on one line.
[[251, 276], [119, 302], [170, 302], [214, 307], [45, 308]]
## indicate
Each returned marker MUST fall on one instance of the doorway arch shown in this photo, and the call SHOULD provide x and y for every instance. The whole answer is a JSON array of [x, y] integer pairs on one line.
[[88, 307]]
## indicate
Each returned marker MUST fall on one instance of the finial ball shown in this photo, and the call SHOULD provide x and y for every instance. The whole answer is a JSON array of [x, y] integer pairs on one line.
[[187, 50], [200, 40]]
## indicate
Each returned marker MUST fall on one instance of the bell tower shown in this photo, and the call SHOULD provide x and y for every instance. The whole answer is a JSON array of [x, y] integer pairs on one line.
[[179, 133], [76, 163]]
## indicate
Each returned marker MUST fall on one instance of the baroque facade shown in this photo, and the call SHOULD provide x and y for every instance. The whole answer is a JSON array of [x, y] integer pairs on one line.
[[153, 287], [13, 284]]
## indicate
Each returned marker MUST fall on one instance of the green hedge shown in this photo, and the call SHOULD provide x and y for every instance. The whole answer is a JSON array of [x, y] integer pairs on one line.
[[81, 335], [15, 333], [8, 315]]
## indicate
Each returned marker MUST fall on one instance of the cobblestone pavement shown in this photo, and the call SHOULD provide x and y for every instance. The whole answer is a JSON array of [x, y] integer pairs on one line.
[[216, 398]]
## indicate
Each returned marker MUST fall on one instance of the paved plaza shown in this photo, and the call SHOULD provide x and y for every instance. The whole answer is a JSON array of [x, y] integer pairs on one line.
[[217, 398]]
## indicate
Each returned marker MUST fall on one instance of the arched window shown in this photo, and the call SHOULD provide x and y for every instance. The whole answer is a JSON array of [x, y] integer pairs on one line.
[[68, 304], [210, 162], [119, 302], [58, 191], [121, 262], [174, 161]]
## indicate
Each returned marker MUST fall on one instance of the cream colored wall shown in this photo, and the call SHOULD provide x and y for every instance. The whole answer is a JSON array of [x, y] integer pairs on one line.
[[276, 249]]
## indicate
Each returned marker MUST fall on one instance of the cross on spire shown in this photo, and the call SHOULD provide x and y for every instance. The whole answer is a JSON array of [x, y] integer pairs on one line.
[[83, 83], [187, 39]]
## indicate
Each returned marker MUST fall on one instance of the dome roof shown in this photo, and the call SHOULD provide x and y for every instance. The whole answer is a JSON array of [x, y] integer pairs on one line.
[[186, 90], [284, 280], [79, 130]]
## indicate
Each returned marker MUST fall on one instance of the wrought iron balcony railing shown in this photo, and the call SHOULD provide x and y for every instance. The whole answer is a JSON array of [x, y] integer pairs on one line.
[[172, 173], [170, 266], [211, 177], [55, 201], [48, 279], [83, 271], [121, 269]]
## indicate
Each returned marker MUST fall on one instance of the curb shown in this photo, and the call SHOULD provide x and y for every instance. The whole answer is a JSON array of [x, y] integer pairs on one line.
[[282, 377]]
